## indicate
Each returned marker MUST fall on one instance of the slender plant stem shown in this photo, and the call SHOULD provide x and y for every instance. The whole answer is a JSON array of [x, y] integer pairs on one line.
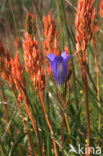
[[82, 63], [68, 126], [72, 62], [26, 128], [63, 122], [38, 12], [48, 122], [98, 91], [63, 118], [60, 25], [48, 111], [5, 112], [86, 99], [28, 103], [64, 115], [33, 123], [1, 150], [16, 28], [5, 109]]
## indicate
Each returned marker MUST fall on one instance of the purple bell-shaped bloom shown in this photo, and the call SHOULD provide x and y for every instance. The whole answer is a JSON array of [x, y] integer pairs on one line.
[[59, 66]]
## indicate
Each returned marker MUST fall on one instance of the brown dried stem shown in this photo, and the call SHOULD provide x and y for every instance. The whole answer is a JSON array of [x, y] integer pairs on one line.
[[98, 91], [5, 109], [26, 128], [86, 99], [48, 122], [28, 103]]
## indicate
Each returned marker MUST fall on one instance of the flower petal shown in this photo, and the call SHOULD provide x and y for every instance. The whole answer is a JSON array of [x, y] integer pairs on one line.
[[65, 57], [51, 57], [57, 69], [60, 73], [59, 66], [65, 66], [64, 54], [68, 57]]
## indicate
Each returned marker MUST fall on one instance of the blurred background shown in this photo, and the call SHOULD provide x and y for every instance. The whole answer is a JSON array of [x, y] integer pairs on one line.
[[20, 9], [12, 24]]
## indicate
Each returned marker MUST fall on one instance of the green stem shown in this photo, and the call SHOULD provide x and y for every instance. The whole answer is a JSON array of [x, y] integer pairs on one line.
[[16, 28], [69, 44], [13, 16], [60, 24], [38, 12], [90, 92], [48, 140], [2, 150]]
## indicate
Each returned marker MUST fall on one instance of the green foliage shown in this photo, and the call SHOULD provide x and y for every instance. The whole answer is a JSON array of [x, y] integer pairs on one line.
[[13, 139]]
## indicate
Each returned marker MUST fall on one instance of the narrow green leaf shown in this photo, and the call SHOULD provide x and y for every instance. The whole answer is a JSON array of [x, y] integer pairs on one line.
[[16, 144]]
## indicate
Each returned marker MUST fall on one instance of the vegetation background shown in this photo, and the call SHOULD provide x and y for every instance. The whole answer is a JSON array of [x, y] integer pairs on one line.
[[14, 141]]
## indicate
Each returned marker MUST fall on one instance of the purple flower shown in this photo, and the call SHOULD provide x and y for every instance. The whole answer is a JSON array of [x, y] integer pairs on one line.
[[59, 66]]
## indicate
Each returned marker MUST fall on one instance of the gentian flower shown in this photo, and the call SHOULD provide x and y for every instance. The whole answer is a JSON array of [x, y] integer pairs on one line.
[[59, 66]]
